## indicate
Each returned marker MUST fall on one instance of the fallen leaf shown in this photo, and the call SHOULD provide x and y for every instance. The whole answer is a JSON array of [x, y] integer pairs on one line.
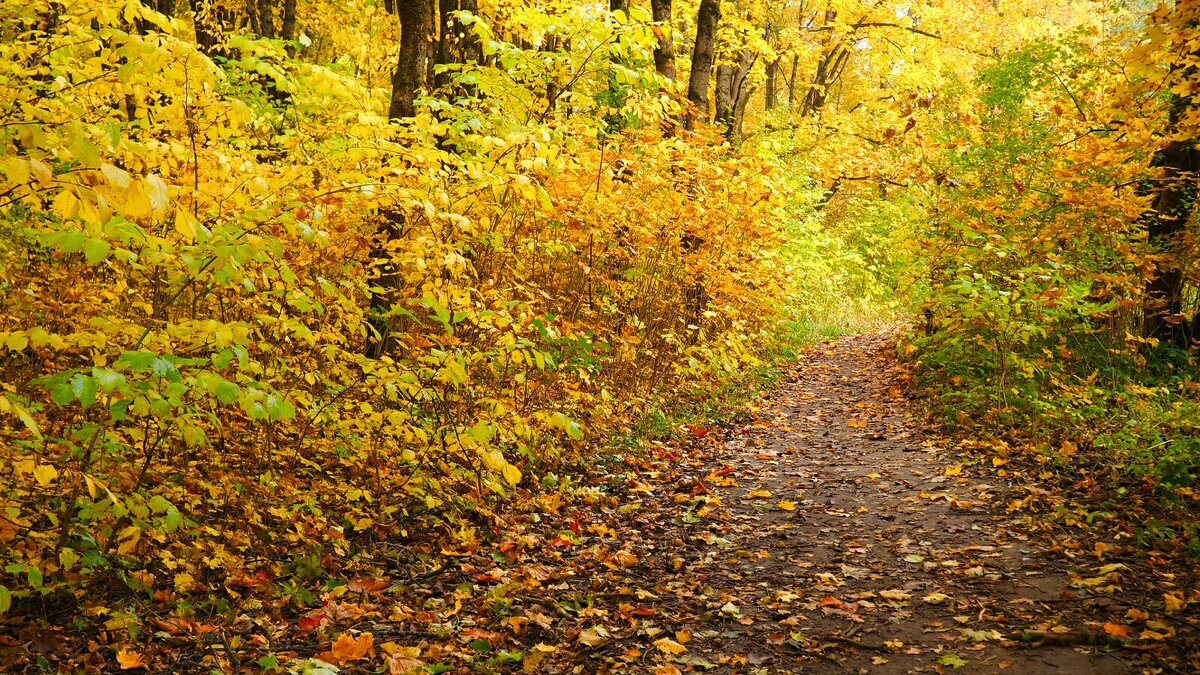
[[935, 599], [1116, 629], [669, 646], [129, 660], [349, 648]]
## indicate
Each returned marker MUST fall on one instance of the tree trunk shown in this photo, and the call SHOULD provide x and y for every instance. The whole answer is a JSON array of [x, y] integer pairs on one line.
[[772, 78], [1172, 202], [418, 31], [458, 43], [287, 30], [723, 93], [732, 91], [266, 18], [792, 82], [664, 52], [622, 5], [707, 19], [1173, 197]]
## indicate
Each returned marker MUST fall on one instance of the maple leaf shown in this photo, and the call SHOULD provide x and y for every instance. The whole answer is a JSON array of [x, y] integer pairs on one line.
[[130, 660], [349, 648]]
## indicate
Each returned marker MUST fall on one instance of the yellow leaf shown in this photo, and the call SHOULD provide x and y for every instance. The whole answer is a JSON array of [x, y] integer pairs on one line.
[[998, 461], [186, 224], [761, 494], [786, 505], [1173, 602], [45, 474], [129, 660], [157, 193], [669, 646], [954, 470]]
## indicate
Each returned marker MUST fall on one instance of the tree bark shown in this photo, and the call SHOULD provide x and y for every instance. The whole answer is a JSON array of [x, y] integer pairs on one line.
[[287, 29], [418, 32], [792, 82], [664, 52], [1173, 198], [773, 69], [1172, 201], [732, 91], [266, 18], [707, 18], [622, 5]]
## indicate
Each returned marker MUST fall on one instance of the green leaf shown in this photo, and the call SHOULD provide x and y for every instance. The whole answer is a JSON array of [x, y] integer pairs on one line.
[[5, 599], [952, 660], [138, 362], [109, 380], [96, 250], [62, 394], [71, 242], [84, 388], [226, 392]]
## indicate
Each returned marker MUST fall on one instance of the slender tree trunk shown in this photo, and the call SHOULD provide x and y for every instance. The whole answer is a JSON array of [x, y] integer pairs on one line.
[[664, 52], [773, 69], [792, 82], [723, 95], [622, 5], [707, 18], [418, 31], [287, 29], [266, 18], [732, 90]]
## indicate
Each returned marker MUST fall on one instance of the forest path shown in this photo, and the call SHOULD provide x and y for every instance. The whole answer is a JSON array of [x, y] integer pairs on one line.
[[843, 542]]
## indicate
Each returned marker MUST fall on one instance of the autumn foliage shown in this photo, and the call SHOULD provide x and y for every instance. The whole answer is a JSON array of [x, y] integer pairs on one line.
[[253, 332]]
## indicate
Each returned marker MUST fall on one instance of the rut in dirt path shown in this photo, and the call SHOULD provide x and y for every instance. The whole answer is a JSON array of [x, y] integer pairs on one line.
[[845, 542]]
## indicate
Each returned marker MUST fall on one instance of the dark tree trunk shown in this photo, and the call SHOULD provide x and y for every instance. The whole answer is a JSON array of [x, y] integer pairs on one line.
[[773, 69], [418, 30], [622, 5], [829, 70], [1173, 199], [287, 28], [723, 93], [792, 82], [458, 43], [664, 53], [707, 19], [266, 18]]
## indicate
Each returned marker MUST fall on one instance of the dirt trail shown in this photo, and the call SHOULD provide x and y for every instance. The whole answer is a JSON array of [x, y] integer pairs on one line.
[[843, 542]]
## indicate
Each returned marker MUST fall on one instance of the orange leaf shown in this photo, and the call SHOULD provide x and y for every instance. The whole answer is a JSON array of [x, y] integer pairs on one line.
[[129, 660], [349, 648], [1116, 629]]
